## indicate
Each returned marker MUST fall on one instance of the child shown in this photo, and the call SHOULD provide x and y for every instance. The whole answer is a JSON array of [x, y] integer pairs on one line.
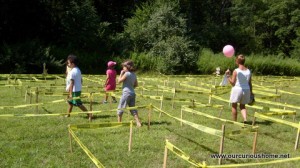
[[74, 85], [129, 79], [110, 83], [242, 87]]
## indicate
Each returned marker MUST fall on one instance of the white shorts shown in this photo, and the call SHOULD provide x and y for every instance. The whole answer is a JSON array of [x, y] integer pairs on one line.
[[239, 95]]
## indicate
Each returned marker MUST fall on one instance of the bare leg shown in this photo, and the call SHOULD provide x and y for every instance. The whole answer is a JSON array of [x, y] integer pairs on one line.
[[234, 111], [137, 120], [83, 108], [120, 118], [69, 110], [243, 111], [106, 96], [114, 99]]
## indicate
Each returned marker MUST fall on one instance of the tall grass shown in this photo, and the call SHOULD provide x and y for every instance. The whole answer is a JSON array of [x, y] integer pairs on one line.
[[259, 64]]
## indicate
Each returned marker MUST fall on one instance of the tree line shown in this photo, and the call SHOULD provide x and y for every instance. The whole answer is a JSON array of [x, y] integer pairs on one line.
[[160, 35]]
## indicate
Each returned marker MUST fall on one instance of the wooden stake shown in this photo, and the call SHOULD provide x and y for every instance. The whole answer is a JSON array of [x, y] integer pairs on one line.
[[37, 99], [253, 121], [254, 143], [70, 137], [149, 116], [165, 157], [130, 137], [297, 139], [222, 144]]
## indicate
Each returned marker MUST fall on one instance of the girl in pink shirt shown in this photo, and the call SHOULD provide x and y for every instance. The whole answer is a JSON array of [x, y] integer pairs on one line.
[[110, 83]]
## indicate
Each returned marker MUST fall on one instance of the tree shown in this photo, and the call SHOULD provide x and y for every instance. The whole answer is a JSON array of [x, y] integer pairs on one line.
[[159, 29]]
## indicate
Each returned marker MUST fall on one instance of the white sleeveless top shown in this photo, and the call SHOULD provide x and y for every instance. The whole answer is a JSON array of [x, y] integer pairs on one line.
[[242, 78]]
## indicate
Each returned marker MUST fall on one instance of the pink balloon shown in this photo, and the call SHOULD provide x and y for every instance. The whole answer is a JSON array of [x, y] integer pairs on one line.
[[228, 51]]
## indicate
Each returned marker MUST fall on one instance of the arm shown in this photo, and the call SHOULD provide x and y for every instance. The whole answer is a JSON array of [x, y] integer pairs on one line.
[[71, 88], [250, 84], [135, 83], [106, 80], [232, 80], [122, 77]]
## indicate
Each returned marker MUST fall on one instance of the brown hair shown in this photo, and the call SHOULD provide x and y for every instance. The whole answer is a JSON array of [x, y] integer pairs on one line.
[[129, 65], [240, 59], [73, 59]]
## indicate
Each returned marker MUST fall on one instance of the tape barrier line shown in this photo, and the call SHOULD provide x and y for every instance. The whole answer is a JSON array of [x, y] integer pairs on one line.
[[254, 164], [71, 129], [280, 113], [277, 103], [199, 104], [35, 104], [255, 106], [99, 125], [202, 128], [261, 116], [45, 115], [181, 154], [258, 87], [208, 91], [86, 150], [40, 104], [286, 92], [187, 109], [73, 113], [186, 157], [246, 128]]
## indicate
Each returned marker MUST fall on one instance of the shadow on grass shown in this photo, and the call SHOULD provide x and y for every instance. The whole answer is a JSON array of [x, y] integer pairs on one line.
[[157, 123], [47, 111], [257, 123]]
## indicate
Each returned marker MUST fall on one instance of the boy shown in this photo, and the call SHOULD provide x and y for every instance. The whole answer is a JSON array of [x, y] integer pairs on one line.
[[74, 85]]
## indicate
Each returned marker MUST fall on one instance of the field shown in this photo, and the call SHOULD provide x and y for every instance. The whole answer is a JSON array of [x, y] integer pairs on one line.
[[190, 112]]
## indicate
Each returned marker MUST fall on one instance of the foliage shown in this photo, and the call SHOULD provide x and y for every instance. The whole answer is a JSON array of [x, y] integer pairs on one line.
[[143, 62], [174, 55], [30, 58], [258, 64], [114, 29], [208, 62], [159, 29], [80, 24]]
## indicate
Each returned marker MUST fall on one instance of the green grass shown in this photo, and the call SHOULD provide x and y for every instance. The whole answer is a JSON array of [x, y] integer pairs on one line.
[[44, 141]]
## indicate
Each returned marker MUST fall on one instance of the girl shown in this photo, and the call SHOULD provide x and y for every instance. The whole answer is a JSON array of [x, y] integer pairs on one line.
[[129, 80], [242, 87], [110, 83]]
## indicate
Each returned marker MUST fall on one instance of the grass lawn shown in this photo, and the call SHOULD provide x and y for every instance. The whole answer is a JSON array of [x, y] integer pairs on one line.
[[43, 140]]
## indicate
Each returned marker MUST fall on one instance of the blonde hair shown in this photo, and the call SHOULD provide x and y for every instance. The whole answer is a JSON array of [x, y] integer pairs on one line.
[[240, 59]]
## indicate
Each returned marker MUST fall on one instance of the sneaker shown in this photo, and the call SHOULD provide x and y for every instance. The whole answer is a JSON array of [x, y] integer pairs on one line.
[[114, 101], [68, 115], [104, 102]]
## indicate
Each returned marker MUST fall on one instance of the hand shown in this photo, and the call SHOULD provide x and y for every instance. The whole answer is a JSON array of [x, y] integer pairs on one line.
[[122, 72], [227, 72]]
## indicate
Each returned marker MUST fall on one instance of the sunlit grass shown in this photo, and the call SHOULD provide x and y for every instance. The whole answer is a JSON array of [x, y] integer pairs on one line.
[[44, 141]]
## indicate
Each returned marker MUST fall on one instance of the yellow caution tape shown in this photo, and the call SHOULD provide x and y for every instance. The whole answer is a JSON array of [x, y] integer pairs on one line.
[[86, 150], [281, 113], [255, 106], [261, 116], [186, 157], [181, 154], [99, 125], [202, 128]]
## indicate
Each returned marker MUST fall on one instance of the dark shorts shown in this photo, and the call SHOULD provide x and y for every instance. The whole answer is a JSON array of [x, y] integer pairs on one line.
[[75, 102]]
